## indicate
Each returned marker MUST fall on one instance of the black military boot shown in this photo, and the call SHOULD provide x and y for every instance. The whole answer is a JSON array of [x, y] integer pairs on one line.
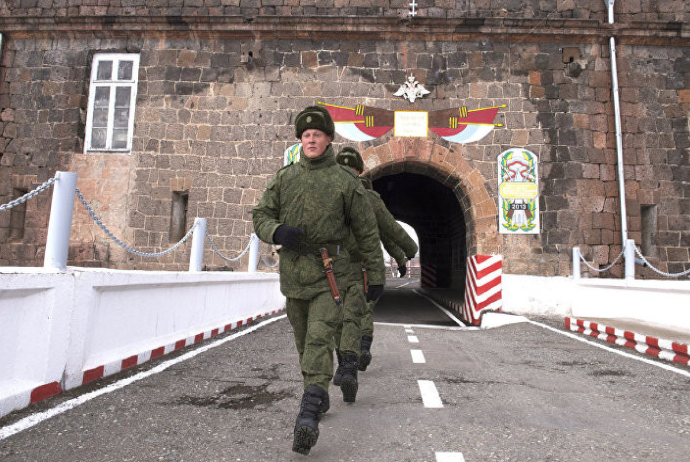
[[365, 353], [338, 376], [325, 405], [307, 424], [348, 383]]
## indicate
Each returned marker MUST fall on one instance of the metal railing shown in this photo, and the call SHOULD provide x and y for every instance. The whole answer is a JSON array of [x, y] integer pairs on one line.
[[60, 224], [629, 251]]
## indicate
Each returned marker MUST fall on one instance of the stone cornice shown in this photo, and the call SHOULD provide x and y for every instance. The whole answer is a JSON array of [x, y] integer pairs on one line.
[[334, 28]]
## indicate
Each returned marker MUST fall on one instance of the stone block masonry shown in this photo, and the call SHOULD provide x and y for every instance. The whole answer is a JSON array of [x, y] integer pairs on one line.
[[212, 125]]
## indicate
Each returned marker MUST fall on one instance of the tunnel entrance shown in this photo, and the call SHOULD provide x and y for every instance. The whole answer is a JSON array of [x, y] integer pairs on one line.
[[433, 209]]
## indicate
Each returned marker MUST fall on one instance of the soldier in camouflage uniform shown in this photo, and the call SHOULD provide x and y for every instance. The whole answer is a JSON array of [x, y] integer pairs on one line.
[[397, 243], [348, 334], [314, 204]]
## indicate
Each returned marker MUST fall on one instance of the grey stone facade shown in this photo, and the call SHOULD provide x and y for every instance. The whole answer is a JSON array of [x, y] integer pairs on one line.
[[214, 127]]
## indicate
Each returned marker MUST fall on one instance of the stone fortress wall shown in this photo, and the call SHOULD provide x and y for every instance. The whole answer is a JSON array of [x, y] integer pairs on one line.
[[213, 124]]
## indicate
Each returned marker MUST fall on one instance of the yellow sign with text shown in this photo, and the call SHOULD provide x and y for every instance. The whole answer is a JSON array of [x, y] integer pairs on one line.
[[411, 124], [518, 190]]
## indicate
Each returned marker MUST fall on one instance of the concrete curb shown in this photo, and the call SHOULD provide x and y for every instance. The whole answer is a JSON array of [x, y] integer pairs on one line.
[[664, 349]]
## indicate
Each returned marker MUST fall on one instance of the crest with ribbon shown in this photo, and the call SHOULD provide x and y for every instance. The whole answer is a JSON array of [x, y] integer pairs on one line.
[[457, 125]]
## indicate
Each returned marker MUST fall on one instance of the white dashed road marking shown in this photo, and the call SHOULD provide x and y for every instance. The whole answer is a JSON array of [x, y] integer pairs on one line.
[[449, 457], [430, 326], [429, 393], [418, 356], [430, 396]]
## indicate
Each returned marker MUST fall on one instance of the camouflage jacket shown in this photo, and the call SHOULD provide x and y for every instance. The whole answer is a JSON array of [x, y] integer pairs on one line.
[[327, 202], [394, 250], [395, 239]]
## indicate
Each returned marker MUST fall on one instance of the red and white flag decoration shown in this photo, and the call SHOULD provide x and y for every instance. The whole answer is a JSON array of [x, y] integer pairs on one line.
[[457, 125], [482, 286]]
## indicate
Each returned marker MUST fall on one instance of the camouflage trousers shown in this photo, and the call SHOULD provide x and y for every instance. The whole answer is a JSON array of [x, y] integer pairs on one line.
[[348, 334], [314, 322], [368, 319]]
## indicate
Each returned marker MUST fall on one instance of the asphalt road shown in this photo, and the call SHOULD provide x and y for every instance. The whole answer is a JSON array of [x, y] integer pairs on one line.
[[519, 392]]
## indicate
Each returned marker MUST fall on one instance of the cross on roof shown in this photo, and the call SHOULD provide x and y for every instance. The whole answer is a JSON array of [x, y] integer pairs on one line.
[[413, 5]]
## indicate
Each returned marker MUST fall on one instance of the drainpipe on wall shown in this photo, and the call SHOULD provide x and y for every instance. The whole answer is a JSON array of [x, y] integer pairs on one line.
[[629, 269]]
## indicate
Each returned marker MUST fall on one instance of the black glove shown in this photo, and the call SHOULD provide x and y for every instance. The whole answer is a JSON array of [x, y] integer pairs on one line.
[[287, 236], [402, 270], [374, 293]]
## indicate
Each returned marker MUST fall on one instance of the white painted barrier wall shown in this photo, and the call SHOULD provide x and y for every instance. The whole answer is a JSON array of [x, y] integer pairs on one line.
[[59, 330], [537, 295], [35, 315], [658, 303]]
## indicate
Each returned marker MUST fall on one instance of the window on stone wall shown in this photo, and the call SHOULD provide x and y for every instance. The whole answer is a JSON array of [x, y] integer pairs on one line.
[[178, 216], [17, 217], [112, 97], [649, 227]]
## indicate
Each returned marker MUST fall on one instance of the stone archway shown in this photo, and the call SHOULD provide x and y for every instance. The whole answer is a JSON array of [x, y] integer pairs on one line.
[[446, 171]]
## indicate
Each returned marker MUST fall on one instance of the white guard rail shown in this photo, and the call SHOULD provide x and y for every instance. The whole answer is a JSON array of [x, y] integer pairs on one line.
[[653, 302], [656, 303], [59, 330]]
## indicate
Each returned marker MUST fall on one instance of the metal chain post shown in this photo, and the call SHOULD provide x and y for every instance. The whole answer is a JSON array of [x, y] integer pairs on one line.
[[196, 256], [253, 254]]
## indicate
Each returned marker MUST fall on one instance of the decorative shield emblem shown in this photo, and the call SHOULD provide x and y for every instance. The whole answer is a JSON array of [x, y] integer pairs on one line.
[[518, 192]]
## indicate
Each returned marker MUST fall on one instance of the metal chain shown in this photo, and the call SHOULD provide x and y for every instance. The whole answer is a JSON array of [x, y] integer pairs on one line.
[[658, 271], [49, 183], [27, 196], [644, 260], [215, 249], [122, 244], [601, 270], [265, 262]]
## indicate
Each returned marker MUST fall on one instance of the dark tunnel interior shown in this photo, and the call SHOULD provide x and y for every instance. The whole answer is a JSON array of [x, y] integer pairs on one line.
[[434, 212]]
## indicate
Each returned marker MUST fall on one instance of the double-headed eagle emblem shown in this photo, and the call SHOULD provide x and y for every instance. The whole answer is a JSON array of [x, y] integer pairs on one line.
[[411, 90]]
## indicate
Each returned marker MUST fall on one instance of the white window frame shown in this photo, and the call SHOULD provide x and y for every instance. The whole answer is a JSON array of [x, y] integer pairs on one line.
[[112, 84]]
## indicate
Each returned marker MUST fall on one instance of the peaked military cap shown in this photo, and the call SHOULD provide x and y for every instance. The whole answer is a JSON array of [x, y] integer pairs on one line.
[[316, 117], [350, 157]]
